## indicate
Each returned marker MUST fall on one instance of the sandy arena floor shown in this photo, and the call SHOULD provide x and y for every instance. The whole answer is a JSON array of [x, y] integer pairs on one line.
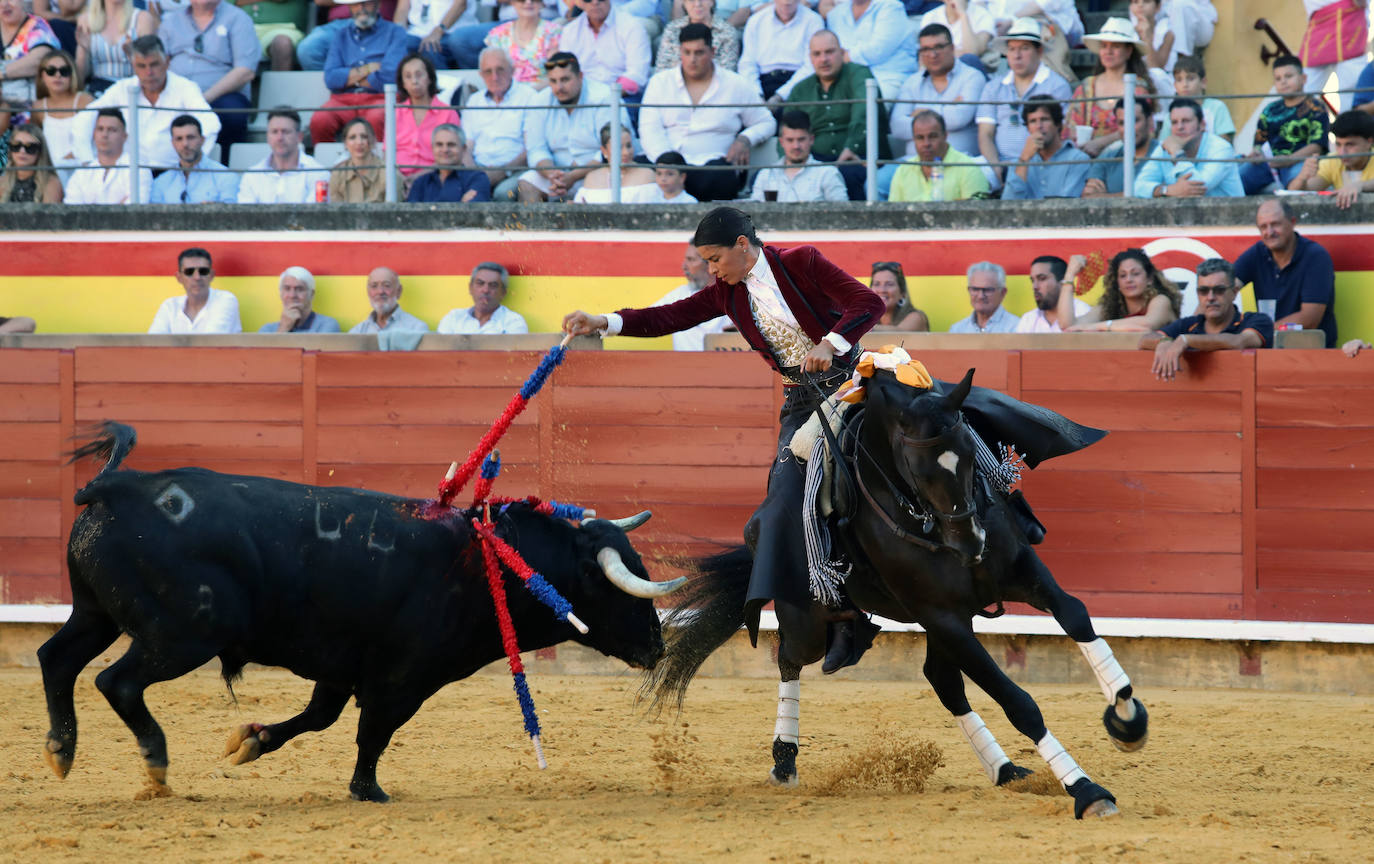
[[1227, 776]]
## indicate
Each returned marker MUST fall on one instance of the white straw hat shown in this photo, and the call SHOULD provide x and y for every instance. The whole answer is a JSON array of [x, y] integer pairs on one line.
[[1022, 30], [1118, 30]]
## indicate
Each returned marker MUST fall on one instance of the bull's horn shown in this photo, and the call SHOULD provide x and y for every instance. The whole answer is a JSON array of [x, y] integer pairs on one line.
[[621, 577], [629, 523]]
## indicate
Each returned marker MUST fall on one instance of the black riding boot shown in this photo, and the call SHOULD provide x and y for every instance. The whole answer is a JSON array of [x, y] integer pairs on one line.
[[850, 637]]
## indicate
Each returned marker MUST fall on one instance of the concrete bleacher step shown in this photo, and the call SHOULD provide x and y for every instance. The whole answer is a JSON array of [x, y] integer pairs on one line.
[[299, 90]]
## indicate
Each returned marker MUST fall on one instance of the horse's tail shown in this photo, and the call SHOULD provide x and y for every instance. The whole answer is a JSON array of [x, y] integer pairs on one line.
[[110, 441], [710, 610]]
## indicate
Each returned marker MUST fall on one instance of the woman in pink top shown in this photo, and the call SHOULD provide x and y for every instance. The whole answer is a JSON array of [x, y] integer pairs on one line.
[[529, 40], [420, 111]]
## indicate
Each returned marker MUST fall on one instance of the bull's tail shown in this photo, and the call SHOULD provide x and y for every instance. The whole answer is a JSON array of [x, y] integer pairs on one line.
[[710, 610], [110, 441]]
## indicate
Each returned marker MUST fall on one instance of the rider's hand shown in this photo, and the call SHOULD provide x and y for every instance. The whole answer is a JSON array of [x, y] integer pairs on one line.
[[819, 358], [579, 323]]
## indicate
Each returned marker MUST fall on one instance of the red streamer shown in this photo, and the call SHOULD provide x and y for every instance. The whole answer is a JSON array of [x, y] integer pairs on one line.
[[449, 488], [498, 598]]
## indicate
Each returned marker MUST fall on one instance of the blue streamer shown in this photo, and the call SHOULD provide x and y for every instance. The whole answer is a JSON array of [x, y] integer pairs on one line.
[[548, 595], [491, 466], [566, 511], [522, 692], [546, 367]]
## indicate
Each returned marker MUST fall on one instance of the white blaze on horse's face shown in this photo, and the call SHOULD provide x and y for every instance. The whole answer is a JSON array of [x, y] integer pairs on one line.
[[949, 460]]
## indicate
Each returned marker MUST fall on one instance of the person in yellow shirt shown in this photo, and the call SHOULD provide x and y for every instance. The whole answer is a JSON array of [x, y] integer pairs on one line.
[[956, 176], [1353, 172]]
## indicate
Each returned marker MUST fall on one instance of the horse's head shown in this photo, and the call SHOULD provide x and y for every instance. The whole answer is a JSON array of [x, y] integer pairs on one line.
[[933, 452]]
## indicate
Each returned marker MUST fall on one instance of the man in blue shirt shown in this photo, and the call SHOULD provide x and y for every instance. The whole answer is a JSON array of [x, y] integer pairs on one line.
[[448, 181], [297, 289], [1363, 98], [197, 179], [362, 59], [1290, 272], [1170, 172], [1057, 168], [1219, 326]]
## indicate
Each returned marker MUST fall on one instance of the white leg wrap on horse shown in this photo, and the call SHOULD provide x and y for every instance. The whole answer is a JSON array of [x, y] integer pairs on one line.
[[1110, 676], [1066, 771], [985, 747], [789, 711]]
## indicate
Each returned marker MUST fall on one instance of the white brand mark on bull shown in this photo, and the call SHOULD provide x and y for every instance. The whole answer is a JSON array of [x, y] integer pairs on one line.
[[175, 504], [332, 534], [373, 542], [949, 460]]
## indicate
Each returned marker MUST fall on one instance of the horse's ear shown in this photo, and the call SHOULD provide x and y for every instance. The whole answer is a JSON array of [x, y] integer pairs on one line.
[[957, 396]]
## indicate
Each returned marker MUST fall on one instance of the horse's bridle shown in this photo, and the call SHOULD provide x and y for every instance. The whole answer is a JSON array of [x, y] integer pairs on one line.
[[936, 441]]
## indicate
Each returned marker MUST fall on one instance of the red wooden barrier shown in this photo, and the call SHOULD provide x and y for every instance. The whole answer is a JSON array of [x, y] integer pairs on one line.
[[1241, 490]]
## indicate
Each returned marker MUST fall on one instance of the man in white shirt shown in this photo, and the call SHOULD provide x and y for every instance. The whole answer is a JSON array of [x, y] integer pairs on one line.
[[610, 45], [167, 92], [775, 47], [105, 179], [384, 296], [201, 309], [801, 177], [1047, 274], [495, 123], [287, 175], [987, 288], [699, 277], [564, 144], [704, 136], [487, 315]]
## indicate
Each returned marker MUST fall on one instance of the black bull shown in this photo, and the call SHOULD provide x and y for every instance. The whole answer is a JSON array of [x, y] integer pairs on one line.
[[355, 590]]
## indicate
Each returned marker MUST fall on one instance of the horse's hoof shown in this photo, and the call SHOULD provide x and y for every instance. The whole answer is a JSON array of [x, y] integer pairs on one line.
[[244, 744], [1011, 771], [1090, 799], [785, 781], [58, 757], [1128, 736], [153, 790], [373, 794], [1103, 809]]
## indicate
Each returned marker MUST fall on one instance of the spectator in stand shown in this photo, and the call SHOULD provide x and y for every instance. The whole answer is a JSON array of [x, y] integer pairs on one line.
[[1170, 171], [704, 136], [1193, 23], [313, 50], [59, 98], [280, 25], [794, 179], [987, 288], [1218, 326], [1059, 23], [20, 324], [670, 181], [426, 24], [214, 44], [362, 58], [360, 178], [202, 309], [297, 290], [564, 143], [698, 275], [1106, 179], [419, 113], [105, 179], [1292, 275], [30, 178], [943, 85], [466, 42], [875, 34], [775, 48], [889, 282], [384, 296], [1290, 128], [1353, 172], [634, 177], [450, 181], [1334, 44], [970, 26], [1364, 99], [287, 175], [496, 124], [610, 45], [840, 128], [196, 179], [62, 17], [487, 315], [1152, 24], [957, 176], [163, 96], [647, 14], [724, 37], [1000, 133], [102, 32], [24, 37], [1118, 54], [527, 41], [1190, 82], [1057, 169], [1136, 297], [1047, 280]]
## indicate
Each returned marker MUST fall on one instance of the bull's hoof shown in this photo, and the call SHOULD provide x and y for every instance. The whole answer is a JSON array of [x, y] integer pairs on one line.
[[1011, 771], [1128, 736], [59, 757], [244, 744], [1090, 799]]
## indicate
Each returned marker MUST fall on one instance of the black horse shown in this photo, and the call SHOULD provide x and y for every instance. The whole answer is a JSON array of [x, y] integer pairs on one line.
[[932, 541]]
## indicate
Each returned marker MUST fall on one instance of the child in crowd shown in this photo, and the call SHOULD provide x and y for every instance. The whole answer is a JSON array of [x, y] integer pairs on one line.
[[1291, 128], [1190, 81], [1349, 175], [1152, 25], [670, 178]]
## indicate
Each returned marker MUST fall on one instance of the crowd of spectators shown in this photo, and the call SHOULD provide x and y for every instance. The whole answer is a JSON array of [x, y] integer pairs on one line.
[[969, 88]]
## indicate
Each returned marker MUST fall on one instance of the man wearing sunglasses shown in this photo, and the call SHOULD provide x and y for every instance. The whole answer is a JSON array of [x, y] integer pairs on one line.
[[1219, 327], [202, 309]]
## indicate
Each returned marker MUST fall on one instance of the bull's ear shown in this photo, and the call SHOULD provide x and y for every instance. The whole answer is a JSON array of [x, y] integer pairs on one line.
[[957, 396]]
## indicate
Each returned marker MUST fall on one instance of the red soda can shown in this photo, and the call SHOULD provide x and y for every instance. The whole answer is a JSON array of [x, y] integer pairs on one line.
[[321, 192]]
